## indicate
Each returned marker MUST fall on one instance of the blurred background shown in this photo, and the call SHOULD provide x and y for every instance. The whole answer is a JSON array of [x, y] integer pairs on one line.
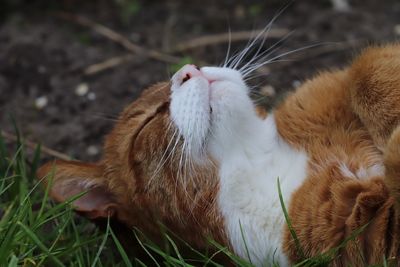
[[68, 68]]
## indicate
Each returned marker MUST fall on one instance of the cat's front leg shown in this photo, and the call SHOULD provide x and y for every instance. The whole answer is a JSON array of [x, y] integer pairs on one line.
[[374, 80]]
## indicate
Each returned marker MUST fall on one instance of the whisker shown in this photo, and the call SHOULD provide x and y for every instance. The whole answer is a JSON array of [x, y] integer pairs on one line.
[[257, 75], [245, 51], [255, 40], [103, 116], [237, 58], [234, 58], [164, 159], [229, 47], [261, 57], [279, 56]]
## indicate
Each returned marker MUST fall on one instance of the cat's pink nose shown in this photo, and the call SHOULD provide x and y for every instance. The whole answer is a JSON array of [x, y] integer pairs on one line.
[[189, 71]]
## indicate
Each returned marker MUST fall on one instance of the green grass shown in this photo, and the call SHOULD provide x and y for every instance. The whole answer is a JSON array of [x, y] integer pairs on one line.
[[34, 231]]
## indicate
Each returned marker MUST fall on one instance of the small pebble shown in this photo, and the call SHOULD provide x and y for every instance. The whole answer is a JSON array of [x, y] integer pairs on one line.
[[91, 96], [93, 150], [41, 102], [397, 29], [239, 12], [267, 90], [341, 5], [42, 69], [82, 89]]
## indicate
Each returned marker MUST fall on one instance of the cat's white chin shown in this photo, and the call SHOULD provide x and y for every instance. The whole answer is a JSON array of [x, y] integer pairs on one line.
[[190, 112], [210, 108]]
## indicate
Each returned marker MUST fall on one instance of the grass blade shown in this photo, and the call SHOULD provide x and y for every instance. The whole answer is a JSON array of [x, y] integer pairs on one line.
[[245, 243], [289, 223], [37, 241], [103, 243], [121, 250]]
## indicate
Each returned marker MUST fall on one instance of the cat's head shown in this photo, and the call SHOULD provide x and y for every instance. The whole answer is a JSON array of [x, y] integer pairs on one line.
[[211, 108], [160, 161]]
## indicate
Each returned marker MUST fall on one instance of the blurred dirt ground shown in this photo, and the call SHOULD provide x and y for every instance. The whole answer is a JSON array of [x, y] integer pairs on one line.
[[45, 53]]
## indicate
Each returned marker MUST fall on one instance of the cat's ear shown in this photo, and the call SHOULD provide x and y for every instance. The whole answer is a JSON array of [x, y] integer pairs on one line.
[[67, 179]]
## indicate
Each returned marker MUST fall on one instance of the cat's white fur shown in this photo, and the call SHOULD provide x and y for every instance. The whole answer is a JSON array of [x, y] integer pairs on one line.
[[251, 156], [363, 173]]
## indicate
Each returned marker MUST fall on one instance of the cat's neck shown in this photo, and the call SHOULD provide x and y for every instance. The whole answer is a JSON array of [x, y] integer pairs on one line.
[[254, 137], [250, 167]]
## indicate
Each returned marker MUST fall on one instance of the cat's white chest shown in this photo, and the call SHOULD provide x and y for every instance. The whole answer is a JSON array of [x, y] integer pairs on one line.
[[249, 198]]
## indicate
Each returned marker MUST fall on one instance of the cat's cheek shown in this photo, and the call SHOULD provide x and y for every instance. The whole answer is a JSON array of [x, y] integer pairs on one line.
[[222, 96], [230, 104]]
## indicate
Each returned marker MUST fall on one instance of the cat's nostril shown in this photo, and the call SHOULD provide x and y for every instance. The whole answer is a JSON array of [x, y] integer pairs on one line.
[[188, 72], [186, 78]]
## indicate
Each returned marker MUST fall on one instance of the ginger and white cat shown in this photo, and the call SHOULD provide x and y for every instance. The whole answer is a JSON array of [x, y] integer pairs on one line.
[[196, 155]]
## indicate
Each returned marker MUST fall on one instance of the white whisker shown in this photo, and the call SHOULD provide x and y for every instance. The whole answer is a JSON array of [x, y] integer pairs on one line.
[[278, 57], [235, 61], [164, 157], [264, 55], [229, 47]]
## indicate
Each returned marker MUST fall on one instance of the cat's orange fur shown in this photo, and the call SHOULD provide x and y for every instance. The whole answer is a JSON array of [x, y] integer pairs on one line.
[[133, 153], [343, 119], [356, 103]]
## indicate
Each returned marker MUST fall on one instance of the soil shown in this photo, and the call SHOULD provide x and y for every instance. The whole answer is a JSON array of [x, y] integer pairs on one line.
[[43, 57]]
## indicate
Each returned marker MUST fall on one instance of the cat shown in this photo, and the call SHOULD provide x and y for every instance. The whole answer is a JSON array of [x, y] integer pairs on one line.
[[196, 155]]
